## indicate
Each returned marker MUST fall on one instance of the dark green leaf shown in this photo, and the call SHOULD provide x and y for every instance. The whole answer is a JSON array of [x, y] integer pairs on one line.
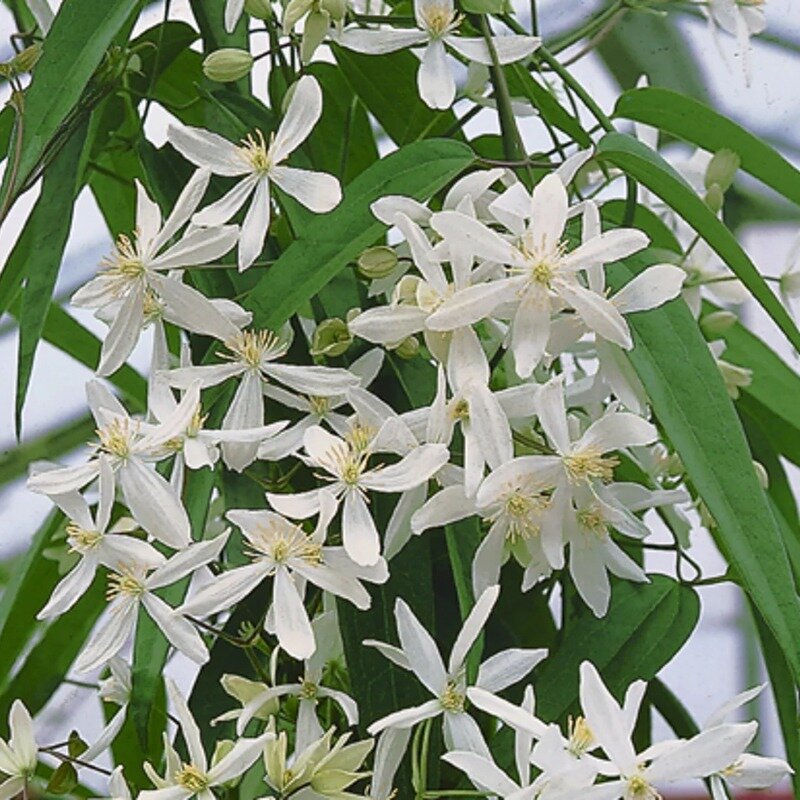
[[650, 169], [689, 399], [645, 626], [63, 780]]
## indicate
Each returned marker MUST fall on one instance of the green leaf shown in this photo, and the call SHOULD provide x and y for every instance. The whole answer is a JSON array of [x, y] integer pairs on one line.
[[674, 712], [40, 249], [486, 7], [651, 170], [695, 122], [689, 399], [74, 48], [403, 116], [645, 626], [333, 240], [63, 780], [522, 84]]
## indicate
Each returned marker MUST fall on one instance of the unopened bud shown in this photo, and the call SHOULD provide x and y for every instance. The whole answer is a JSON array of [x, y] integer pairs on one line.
[[337, 9], [761, 474], [331, 338], [408, 348], [377, 262], [790, 283], [735, 377], [227, 65], [675, 468], [260, 9], [722, 169], [717, 322], [26, 60], [715, 198]]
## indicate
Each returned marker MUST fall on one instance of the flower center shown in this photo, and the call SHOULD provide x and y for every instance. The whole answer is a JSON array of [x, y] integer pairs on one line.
[[460, 410], [543, 261], [591, 520], [320, 406], [590, 463], [640, 789], [360, 437], [152, 307], [120, 583], [581, 738], [452, 698], [440, 19], [82, 540], [282, 542], [308, 690], [125, 263], [521, 511], [191, 778], [256, 153], [252, 347], [115, 438]]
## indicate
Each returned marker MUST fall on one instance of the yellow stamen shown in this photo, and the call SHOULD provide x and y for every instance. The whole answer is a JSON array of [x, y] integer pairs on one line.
[[581, 738], [82, 540], [590, 463], [255, 151], [120, 583], [191, 778], [452, 699], [253, 347]]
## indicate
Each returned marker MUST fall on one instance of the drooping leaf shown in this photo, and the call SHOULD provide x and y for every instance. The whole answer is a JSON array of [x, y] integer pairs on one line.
[[694, 122], [651, 170], [645, 626], [689, 399], [333, 240]]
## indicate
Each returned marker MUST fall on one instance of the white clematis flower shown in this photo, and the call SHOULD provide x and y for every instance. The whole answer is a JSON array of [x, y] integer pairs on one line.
[[419, 654], [132, 586], [437, 26], [285, 552], [196, 778], [258, 164], [542, 275], [252, 356], [346, 463], [739, 18], [134, 286], [128, 450], [95, 544], [20, 754]]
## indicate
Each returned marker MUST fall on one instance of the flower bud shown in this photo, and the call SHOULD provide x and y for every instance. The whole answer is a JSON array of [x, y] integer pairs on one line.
[[735, 377], [790, 283], [377, 262], [408, 348], [715, 198], [260, 9], [722, 169], [331, 338], [717, 322], [762, 475], [227, 65], [26, 60]]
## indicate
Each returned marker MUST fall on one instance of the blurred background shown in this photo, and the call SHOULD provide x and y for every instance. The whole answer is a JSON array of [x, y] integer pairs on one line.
[[676, 51]]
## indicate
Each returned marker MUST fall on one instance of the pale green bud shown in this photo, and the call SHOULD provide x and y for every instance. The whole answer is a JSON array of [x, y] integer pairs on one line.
[[352, 314], [675, 466], [715, 198], [331, 338], [260, 9], [717, 322], [735, 377], [408, 348], [722, 169], [377, 262], [227, 65], [26, 60], [790, 283], [222, 748], [294, 12], [761, 474], [316, 28]]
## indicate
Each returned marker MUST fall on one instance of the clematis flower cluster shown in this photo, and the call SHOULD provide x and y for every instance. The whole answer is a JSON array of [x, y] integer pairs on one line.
[[267, 492]]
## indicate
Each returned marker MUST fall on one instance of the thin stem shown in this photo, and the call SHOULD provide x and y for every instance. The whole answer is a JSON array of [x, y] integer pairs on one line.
[[589, 28], [73, 760], [152, 82]]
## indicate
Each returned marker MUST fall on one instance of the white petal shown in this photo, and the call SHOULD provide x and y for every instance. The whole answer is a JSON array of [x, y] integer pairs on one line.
[[552, 413], [484, 242], [225, 590], [449, 505], [615, 431], [548, 212], [482, 771], [609, 246], [376, 42], [220, 211], [508, 48], [209, 150], [471, 629], [512, 715], [407, 717], [64, 479], [184, 207], [245, 411], [413, 469], [530, 330], [504, 669], [359, 534], [186, 561], [180, 633], [420, 649], [314, 381], [305, 108], [110, 637], [123, 333], [599, 314], [650, 289], [148, 217], [153, 503], [296, 506], [193, 311], [292, 626], [189, 728], [70, 588], [317, 191], [435, 81], [255, 226], [238, 759]]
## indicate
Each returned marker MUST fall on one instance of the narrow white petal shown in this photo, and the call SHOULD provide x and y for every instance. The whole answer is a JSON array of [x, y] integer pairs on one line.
[[435, 81], [512, 715], [617, 430], [292, 626], [413, 469], [186, 561], [70, 588], [209, 150], [508, 48], [225, 590], [200, 246], [471, 629], [220, 211], [506, 668], [420, 649], [189, 728], [123, 333], [599, 314], [245, 411], [377, 42], [317, 191], [482, 771], [193, 311], [302, 115], [359, 534], [407, 717], [110, 637], [650, 289]]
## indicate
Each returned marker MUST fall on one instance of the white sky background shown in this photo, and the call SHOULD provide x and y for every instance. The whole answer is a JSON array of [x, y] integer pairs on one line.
[[713, 665]]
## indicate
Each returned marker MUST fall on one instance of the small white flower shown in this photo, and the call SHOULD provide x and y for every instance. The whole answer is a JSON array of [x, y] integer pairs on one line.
[[134, 288], [437, 26], [195, 777], [740, 18], [285, 552], [132, 586], [346, 463], [20, 754], [258, 164]]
